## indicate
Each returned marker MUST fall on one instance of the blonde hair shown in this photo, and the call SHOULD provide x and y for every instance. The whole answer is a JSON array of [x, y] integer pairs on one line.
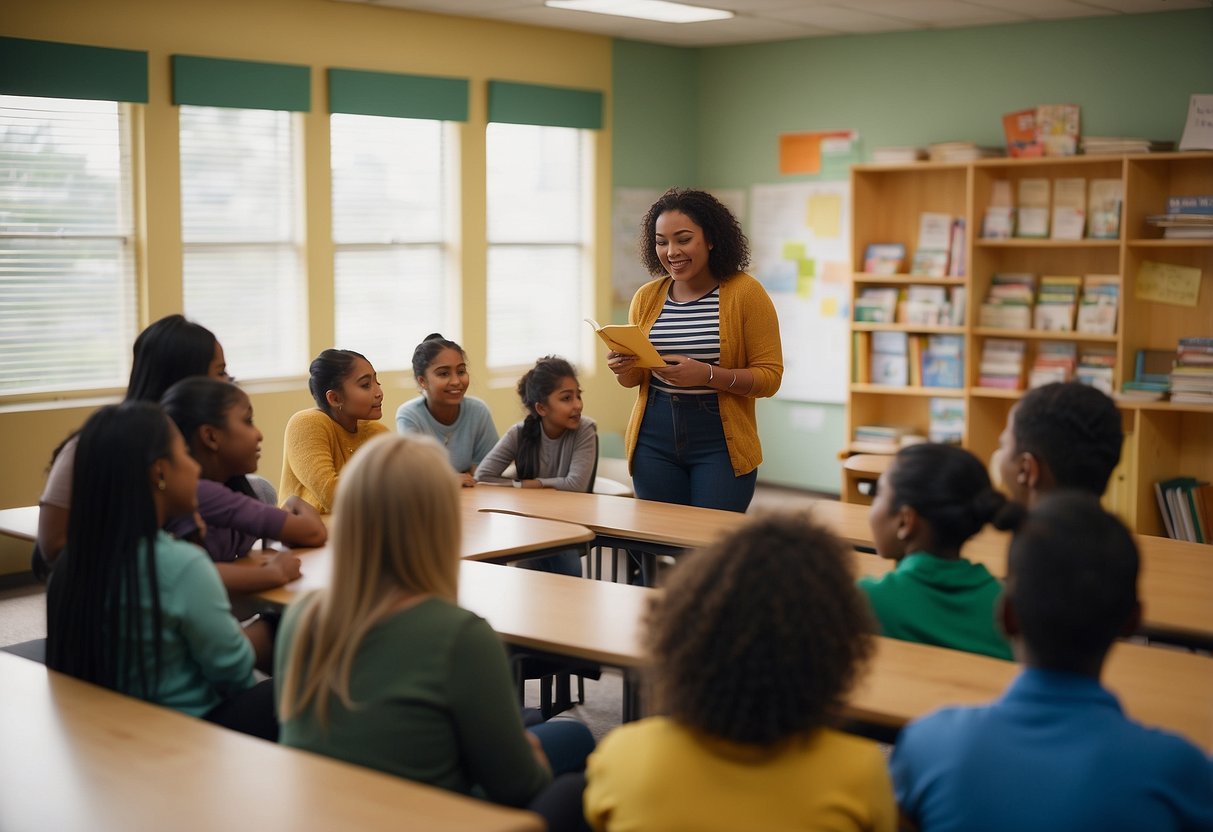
[[395, 535]]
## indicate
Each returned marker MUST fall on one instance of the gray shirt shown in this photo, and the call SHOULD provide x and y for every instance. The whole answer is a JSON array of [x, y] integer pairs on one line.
[[565, 463]]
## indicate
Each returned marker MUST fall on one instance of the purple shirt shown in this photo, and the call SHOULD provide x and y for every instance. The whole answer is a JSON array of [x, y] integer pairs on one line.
[[234, 521]]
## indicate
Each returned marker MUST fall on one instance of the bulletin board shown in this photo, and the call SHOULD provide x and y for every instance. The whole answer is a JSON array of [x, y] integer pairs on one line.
[[800, 241]]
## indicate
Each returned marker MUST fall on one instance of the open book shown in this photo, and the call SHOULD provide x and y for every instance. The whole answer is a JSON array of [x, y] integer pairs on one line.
[[629, 340]]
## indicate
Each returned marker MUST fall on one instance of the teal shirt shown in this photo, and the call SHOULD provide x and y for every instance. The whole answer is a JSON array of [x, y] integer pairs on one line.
[[205, 655], [435, 703], [948, 603]]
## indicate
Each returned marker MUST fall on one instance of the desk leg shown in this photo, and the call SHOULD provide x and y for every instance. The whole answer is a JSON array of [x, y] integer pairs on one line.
[[631, 695]]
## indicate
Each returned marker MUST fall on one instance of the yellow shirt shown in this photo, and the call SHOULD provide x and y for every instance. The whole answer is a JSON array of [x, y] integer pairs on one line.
[[315, 450], [657, 775], [749, 339]]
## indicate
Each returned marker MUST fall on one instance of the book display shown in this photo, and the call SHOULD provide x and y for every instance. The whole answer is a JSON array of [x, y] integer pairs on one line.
[[1093, 291]]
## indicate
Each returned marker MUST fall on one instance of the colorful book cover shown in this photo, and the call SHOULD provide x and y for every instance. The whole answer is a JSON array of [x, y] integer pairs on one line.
[[1057, 128], [1020, 130]]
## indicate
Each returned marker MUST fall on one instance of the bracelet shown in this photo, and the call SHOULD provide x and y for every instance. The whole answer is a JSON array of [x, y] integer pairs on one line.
[[734, 381], [711, 375]]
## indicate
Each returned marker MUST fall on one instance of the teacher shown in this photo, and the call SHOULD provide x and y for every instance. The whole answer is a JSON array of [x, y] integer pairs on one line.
[[693, 436]]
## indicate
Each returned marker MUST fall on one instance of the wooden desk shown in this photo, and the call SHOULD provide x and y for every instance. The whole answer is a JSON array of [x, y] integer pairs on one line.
[[74, 756], [486, 536], [21, 523]]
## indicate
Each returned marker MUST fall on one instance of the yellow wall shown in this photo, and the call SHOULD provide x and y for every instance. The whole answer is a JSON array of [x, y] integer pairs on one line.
[[320, 34]]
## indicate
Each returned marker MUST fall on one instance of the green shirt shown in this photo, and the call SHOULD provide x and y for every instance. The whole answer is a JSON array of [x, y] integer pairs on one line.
[[435, 703], [948, 603]]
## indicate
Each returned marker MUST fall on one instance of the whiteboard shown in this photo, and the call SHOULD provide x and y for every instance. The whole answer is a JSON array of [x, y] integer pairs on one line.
[[800, 243]]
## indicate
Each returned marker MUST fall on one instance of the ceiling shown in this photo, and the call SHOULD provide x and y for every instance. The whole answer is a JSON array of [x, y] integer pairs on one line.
[[768, 20]]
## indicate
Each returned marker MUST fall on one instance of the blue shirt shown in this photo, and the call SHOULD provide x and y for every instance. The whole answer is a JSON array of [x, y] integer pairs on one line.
[[467, 441], [1055, 752]]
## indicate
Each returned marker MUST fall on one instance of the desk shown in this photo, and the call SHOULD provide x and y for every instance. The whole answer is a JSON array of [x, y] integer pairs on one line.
[[21, 523], [75, 756], [603, 622], [486, 536]]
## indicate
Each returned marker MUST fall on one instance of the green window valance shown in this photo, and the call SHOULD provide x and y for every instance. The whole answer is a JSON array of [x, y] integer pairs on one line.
[[66, 70], [514, 103], [218, 82], [392, 94]]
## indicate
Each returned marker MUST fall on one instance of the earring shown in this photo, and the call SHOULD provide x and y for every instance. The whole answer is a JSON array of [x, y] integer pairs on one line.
[[162, 485], [901, 534]]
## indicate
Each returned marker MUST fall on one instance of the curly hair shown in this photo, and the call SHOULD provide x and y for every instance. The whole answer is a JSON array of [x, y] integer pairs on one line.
[[1074, 429], [730, 249], [759, 637]]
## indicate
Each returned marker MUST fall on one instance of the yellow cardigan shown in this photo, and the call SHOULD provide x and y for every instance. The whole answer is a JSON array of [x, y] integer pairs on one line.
[[316, 449], [749, 340]]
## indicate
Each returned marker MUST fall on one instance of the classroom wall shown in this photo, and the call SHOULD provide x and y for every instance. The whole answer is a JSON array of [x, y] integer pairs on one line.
[[1132, 75], [320, 34]]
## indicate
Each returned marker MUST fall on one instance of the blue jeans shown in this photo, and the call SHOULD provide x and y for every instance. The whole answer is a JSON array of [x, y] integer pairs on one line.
[[566, 742], [681, 455], [567, 562]]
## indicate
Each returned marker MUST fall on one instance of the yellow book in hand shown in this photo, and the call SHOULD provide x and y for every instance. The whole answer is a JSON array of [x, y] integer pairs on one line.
[[629, 340]]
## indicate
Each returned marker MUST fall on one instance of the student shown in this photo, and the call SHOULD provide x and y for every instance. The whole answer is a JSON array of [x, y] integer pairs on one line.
[[167, 351], [462, 423], [693, 435], [130, 607], [928, 503], [319, 442], [384, 669], [1062, 435], [553, 447], [216, 419], [1056, 751], [753, 646]]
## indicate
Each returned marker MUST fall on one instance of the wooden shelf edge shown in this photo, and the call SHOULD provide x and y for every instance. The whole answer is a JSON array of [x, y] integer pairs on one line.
[[1042, 335], [865, 326], [1044, 242], [884, 389], [899, 278]]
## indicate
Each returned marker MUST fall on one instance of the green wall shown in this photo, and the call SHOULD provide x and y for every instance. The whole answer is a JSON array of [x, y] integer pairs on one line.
[[1132, 75]]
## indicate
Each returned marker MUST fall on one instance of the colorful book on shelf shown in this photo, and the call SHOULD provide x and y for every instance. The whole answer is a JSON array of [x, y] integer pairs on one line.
[[1100, 302], [1032, 210], [956, 250], [1104, 199], [1057, 128], [890, 359], [1020, 131], [1009, 300], [1056, 303], [1191, 376], [925, 305], [1191, 204], [1002, 363], [947, 420], [877, 304], [943, 361], [1069, 208], [884, 258], [1186, 506], [999, 220], [883, 439], [1055, 361], [1097, 367], [930, 263]]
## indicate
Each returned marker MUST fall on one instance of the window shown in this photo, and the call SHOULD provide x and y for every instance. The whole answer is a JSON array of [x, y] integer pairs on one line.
[[539, 259], [239, 229], [392, 231], [67, 267]]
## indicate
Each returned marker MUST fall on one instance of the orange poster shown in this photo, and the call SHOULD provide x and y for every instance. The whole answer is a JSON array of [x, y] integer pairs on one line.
[[801, 152]]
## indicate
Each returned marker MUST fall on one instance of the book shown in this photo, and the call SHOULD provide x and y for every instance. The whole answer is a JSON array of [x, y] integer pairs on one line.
[[1198, 130], [934, 231], [898, 155], [914, 344], [1095, 145], [956, 249], [1002, 363], [883, 439], [1104, 198], [960, 152], [1008, 303], [1055, 361], [943, 361], [999, 220], [1096, 367], [1100, 301], [1057, 128], [1032, 214], [1056, 303], [1020, 131], [947, 420], [930, 263], [884, 258], [890, 359], [1069, 208], [629, 339], [1202, 204], [877, 305], [925, 305]]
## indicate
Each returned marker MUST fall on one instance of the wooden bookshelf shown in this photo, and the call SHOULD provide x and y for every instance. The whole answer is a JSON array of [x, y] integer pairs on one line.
[[1163, 439]]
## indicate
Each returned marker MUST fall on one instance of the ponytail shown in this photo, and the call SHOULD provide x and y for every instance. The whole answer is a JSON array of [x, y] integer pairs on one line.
[[534, 387], [949, 488]]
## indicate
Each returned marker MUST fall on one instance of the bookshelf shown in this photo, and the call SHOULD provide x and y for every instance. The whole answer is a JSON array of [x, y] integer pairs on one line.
[[1163, 439]]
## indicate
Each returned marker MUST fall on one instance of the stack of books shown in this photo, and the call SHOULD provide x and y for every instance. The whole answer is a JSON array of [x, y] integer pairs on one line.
[[961, 152], [1057, 303], [1187, 218], [883, 439], [898, 155], [1151, 377], [1186, 505], [1008, 304], [947, 421], [1045, 130], [1055, 361], [1192, 375], [1002, 363], [1094, 145], [877, 305], [1099, 305], [884, 258], [1096, 367]]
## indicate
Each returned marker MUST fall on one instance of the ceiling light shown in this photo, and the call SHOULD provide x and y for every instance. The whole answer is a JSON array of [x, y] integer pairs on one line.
[[659, 10]]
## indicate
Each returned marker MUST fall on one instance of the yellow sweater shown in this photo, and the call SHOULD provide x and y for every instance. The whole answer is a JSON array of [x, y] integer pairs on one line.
[[315, 450], [658, 775], [749, 339]]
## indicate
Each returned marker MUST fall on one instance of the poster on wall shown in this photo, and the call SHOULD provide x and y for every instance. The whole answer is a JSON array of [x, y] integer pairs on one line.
[[800, 240]]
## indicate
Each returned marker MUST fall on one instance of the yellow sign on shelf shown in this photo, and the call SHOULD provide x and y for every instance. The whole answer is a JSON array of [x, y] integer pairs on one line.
[[1168, 283]]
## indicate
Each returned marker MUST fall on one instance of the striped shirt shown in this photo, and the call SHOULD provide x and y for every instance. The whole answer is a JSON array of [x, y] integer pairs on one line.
[[691, 329]]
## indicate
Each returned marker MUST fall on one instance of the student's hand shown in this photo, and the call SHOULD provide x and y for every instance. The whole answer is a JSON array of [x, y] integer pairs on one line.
[[467, 480], [285, 565], [620, 363], [537, 750], [199, 526], [681, 371]]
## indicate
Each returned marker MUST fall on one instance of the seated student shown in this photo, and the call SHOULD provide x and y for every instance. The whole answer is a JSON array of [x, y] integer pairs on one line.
[[130, 607], [553, 447], [216, 419], [462, 423], [167, 351], [319, 442], [928, 503], [385, 669], [1062, 435], [754, 646], [1056, 751]]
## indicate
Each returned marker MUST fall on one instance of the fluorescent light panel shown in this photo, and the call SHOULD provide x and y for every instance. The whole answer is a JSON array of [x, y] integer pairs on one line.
[[659, 10]]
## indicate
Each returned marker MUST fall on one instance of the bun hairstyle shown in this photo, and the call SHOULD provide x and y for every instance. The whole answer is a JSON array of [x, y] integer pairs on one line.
[[327, 372], [730, 252], [951, 490], [428, 350], [534, 387]]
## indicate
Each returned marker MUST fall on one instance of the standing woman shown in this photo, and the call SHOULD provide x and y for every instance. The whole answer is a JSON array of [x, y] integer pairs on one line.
[[319, 442], [462, 423], [693, 436], [167, 351], [130, 607]]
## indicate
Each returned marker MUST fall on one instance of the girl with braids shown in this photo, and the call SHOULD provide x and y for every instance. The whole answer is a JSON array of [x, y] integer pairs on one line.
[[753, 648], [130, 607], [693, 434], [928, 503], [553, 447], [320, 441]]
